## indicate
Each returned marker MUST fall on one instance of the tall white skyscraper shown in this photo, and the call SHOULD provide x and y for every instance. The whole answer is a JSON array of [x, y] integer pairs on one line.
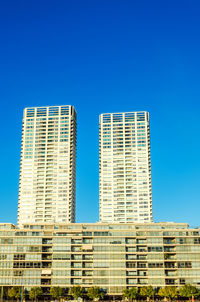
[[125, 167], [48, 165]]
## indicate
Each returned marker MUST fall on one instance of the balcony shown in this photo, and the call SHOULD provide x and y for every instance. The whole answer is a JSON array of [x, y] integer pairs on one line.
[[46, 265], [46, 257], [46, 241], [170, 282], [169, 257], [170, 265], [45, 281]]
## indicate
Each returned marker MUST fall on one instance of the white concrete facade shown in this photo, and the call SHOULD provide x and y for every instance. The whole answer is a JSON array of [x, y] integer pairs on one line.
[[48, 165], [125, 167]]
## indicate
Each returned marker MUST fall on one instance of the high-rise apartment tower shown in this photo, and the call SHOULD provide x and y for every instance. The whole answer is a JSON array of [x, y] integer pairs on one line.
[[125, 167], [48, 165]]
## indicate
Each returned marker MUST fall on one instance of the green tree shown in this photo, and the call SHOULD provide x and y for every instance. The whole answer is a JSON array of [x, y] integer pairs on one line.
[[95, 293], [147, 292], [131, 293], [76, 292], [169, 292], [57, 292], [188, 291], [35, 293], [14, 292], [125, 294]]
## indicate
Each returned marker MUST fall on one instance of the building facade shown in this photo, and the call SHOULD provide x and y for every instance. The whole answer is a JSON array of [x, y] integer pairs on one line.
[[125, 193], [48, 165], [111, 256]]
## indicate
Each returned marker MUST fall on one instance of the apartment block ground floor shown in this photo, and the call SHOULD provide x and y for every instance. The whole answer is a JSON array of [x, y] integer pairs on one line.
[[110, 256]]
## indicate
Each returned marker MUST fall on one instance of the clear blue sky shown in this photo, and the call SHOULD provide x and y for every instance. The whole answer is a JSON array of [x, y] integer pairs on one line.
[[106, 56]]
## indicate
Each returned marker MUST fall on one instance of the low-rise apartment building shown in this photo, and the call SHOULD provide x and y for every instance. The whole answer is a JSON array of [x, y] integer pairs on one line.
[[111, 256]]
